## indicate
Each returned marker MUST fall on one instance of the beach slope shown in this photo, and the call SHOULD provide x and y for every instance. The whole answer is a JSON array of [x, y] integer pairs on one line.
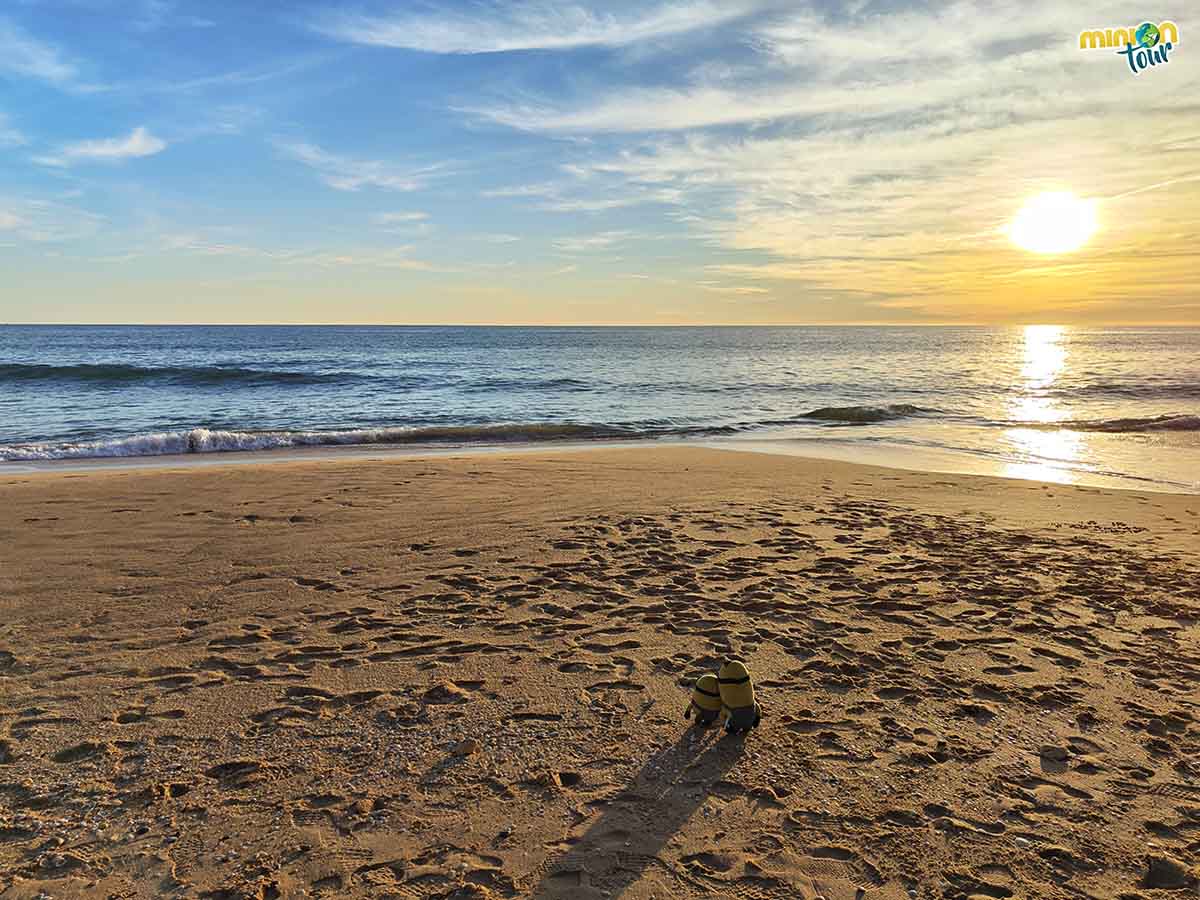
[[465, 677]]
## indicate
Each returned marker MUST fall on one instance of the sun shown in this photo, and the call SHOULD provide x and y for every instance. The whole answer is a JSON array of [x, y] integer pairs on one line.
[[1054, 222]]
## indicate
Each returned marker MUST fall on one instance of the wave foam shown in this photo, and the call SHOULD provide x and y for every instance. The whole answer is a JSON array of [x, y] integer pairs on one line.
[[205, 440]]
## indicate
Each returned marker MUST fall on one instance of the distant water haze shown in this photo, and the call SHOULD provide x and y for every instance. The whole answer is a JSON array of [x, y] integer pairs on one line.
[[1090, 405]]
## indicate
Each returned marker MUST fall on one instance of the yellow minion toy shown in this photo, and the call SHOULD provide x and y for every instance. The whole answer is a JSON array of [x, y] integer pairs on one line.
[[738, 705], [706, 701]]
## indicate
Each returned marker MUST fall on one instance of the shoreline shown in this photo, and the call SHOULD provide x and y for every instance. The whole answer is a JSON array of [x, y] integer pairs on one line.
[[898, 456], [463, 676]]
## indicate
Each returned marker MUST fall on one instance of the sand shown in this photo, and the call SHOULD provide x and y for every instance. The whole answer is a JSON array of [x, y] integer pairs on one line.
[[464, 677]]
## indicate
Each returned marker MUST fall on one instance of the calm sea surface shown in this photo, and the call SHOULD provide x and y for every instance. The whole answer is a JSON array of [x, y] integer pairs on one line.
[[1104, 405]]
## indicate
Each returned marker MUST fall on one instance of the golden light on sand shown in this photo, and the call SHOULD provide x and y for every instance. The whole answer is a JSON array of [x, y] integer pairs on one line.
[[1054, 222]]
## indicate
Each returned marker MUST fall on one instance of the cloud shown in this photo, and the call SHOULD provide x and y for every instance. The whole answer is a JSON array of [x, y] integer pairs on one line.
[[46, 221], [195, 243], [953, 31], [23, 54], [1158, 185], [395, 258], [740, 290], [153, 15], [541, 189], [345, 173], [824, 156], [383, 258], [399, 218], [140, 143], [665, 109], [584, 243], [488, 27], [9, 135], [576, 195], [249, 76], [995, 59], [873, 174], [592, 204], [861, 154]]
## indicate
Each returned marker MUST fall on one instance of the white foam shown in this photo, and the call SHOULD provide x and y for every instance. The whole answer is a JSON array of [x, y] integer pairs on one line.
[[205, 440]]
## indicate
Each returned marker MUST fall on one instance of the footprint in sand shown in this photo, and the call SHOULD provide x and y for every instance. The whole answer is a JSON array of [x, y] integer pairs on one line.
[[80, 752], [136, 716], [240, 773]]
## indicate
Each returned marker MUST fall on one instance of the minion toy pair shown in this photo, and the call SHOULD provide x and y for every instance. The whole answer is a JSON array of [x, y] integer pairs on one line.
[[729, 695]]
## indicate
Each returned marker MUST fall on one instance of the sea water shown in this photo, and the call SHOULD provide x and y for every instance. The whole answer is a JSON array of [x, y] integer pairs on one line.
[[1091, 405]]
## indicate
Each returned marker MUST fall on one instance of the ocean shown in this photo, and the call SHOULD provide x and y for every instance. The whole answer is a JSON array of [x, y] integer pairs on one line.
[[1102, 406]]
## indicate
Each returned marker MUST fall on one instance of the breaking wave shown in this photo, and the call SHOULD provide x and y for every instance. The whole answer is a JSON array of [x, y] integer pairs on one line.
[[205, 440]]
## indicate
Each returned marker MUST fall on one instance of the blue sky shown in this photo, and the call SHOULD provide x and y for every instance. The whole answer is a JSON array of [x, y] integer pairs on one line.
[[687, 161]]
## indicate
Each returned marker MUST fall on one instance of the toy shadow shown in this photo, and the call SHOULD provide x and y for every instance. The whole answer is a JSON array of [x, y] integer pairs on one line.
[[638, 822]]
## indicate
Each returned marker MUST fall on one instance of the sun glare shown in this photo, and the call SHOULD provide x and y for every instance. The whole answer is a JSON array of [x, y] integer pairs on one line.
[[1056, 222]]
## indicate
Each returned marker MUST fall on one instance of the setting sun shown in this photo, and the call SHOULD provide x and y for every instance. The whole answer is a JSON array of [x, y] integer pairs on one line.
[[1055, 222]]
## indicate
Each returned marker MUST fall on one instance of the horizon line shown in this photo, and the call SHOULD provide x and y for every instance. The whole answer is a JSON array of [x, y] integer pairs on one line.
[[948, 324]]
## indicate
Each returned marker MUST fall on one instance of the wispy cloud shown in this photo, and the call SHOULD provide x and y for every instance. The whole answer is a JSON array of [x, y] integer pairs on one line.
[[139, 143], [190, 242], [576, 195], [244, 77], [584, 243], [665, 109], [983, 58], [46, 221], [10, 136], [345, 173], [540, 189], [152, 15], [408, 223], [399, 218], [489, 27], [394, 258], [399, 257], [740, 290], [1158, 185], [592, 204], [23, 54]]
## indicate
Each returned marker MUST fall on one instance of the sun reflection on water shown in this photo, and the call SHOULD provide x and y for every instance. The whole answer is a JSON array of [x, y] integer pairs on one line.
[[1048, 454]]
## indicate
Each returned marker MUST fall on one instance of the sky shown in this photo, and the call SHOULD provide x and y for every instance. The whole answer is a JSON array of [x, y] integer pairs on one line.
[[607, 162]]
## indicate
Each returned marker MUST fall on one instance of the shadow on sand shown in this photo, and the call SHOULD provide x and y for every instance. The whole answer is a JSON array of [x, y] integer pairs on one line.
[[638, 822]]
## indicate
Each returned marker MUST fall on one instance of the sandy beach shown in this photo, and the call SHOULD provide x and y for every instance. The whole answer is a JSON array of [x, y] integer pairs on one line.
[[464, 676]]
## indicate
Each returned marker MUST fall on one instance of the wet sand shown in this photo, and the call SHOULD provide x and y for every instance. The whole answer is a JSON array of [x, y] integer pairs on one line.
[[463, 677]]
